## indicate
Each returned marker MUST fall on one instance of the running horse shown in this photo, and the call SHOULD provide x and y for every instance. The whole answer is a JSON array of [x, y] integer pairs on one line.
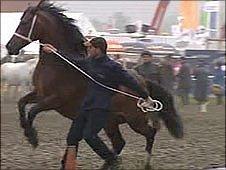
[[60, 87]]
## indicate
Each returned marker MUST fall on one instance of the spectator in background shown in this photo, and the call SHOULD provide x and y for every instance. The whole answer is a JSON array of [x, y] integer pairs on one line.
[[222, 31], [218, 83], [148, 69], [167, 78], [184, 81], [201, 85]]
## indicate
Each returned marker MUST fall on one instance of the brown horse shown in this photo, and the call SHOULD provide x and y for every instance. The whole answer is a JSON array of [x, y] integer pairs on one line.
[[58, 86]]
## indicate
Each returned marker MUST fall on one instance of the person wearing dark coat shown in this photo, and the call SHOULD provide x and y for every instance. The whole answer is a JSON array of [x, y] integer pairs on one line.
[[95, 108], [218, 83], [201, 85], [148, 69], [184, 81], [167, 78]]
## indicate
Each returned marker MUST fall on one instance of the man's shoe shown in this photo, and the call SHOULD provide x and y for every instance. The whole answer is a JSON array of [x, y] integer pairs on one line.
[[111, 162]]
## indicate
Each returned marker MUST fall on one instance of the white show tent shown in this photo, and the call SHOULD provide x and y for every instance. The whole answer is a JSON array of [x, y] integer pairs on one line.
[[10, 21]]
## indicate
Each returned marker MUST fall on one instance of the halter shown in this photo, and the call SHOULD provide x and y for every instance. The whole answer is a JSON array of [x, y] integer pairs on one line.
[[28, 38], [145, 105]]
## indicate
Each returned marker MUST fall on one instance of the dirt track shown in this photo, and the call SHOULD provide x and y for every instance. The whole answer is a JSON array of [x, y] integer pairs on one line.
[[203, 145]]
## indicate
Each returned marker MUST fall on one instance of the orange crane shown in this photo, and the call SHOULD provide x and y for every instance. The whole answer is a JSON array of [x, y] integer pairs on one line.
[[158, 17]]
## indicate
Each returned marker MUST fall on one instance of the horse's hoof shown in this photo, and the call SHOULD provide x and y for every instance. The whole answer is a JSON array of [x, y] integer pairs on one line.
[[148, 166], [62, 165], [148, 159], [111, 164], [31, 134], [23, 122]]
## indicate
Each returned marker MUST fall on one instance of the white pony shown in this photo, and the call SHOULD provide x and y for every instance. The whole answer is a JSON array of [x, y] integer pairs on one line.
[[4, 51], [17, 75]]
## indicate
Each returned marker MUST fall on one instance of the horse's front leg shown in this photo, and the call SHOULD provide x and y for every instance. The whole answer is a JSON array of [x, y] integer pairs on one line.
[[28, 98], [47, 103]]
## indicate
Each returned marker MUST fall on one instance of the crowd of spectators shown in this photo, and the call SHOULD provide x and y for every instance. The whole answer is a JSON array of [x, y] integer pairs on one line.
[[184, 80]]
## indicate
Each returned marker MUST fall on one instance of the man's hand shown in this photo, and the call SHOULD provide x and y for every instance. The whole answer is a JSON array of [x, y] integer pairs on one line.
[[48, 48], [149, 104]]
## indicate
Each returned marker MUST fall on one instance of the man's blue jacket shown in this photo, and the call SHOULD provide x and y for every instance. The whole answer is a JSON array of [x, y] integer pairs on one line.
[[107, 72]]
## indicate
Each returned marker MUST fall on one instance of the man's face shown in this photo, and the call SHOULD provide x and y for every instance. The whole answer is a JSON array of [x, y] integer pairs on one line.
[[93, 51], [147, 58]]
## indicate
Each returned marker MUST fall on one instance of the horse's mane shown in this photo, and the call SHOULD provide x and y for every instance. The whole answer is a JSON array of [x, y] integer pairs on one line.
[[75, 36]]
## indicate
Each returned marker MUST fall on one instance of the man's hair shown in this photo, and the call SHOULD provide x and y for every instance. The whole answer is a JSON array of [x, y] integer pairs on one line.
[[99, 42], [146, 53]]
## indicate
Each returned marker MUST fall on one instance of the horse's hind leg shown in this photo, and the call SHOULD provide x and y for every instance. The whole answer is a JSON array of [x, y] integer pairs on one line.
[[139, 123], [47, 103], [114, 134], [28, 98]]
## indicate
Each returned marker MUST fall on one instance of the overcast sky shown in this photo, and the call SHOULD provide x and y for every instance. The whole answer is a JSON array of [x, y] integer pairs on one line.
[[102, 10]]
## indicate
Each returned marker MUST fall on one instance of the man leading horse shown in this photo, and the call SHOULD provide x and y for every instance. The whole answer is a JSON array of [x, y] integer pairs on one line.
[[95, 109], [57, 86]]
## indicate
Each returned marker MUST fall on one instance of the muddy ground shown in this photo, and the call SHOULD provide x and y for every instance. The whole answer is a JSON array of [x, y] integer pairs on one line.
[[203, 145]]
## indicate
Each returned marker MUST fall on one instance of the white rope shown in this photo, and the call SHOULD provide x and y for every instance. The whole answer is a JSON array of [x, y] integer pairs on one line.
[[145, 105]]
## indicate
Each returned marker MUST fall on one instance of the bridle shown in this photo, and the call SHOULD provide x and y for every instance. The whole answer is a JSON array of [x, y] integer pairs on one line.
[[28, 38]]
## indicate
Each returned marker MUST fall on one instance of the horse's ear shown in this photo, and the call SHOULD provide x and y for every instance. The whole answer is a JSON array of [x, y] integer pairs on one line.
[[41, 1]]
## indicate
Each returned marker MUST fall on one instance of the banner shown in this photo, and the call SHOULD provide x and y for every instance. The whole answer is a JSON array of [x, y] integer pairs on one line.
[[190, 12]]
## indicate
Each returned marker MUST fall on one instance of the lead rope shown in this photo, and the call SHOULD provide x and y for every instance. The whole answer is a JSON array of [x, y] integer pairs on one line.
[[145, 105]]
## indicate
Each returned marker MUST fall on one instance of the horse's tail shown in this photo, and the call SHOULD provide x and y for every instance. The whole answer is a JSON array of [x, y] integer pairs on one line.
[[173, 123], [169, 113]]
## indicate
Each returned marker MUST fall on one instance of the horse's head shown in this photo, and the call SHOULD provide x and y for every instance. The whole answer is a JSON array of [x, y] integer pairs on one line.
[[48, 24], [23, 29]]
